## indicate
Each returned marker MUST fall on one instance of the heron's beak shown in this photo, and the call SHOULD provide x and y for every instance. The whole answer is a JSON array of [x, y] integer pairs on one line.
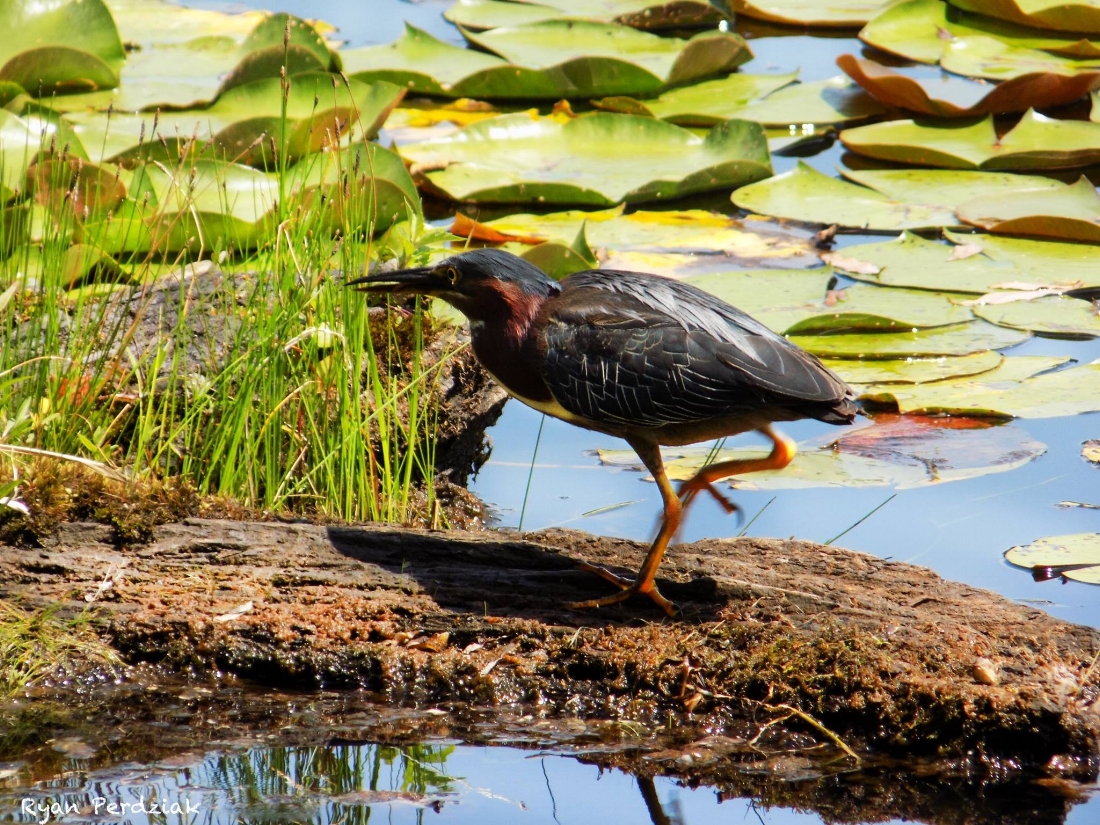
[[422, 280]]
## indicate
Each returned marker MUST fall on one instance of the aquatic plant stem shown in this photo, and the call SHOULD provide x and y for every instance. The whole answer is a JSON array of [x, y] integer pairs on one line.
[[854, 526], [530, 474]]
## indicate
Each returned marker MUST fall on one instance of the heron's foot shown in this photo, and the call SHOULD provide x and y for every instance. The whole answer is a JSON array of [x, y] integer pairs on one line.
[[692, 486], [605, 574], [629, 590]]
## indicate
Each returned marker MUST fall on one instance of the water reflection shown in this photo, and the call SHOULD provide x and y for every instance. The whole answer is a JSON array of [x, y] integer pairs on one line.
[[318, 784]]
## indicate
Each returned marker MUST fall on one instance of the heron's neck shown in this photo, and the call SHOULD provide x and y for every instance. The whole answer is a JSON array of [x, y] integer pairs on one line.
[[508, 348]]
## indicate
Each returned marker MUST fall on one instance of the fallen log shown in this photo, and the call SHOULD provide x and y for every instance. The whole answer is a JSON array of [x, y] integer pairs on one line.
[[861, 653]]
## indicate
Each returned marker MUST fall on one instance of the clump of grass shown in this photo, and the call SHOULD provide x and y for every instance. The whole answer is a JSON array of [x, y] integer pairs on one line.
[[308, 403], [35, 644]]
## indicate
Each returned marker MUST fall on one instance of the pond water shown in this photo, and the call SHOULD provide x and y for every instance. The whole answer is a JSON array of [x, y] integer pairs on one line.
[[959, 529]]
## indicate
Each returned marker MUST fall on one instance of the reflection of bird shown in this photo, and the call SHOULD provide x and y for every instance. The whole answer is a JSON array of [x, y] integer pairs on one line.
[[648, 359]]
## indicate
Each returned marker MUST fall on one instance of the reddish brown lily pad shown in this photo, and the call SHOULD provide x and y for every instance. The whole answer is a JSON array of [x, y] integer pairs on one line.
[[967, 98]]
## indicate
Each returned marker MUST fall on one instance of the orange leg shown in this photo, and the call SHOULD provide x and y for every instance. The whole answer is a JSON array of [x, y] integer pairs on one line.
[[644, 584], [783, 452]]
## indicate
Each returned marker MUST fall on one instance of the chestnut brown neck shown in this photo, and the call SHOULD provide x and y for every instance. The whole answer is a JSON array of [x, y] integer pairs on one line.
[[508, 350]]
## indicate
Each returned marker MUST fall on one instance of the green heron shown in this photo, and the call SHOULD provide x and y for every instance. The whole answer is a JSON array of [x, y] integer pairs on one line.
[[648, 359]]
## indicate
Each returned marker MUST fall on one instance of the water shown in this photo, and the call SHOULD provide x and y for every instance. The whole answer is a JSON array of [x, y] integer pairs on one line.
[[959, 529]]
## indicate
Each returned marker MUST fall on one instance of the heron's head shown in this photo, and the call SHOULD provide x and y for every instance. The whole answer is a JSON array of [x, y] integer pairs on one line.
[[485, 285]]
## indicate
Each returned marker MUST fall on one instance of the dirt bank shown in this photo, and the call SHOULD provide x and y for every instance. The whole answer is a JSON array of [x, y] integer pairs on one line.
[[887, 655]]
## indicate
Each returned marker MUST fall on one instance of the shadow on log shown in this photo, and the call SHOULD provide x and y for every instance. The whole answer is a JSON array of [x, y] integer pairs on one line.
[[887, 657]]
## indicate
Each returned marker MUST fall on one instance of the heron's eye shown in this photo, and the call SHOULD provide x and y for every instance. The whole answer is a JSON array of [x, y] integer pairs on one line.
[[453, 275]]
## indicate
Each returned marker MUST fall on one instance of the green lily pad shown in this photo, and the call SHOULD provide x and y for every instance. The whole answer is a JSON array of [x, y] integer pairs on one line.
[[949, 189], [1022, 387], [242, 124], [1053, 315], [800, 302], [1068, 214], [279, 41], [209, 208], [775, 297], [953, 97], [599, 159], [383, 192], [894, 452], [558, 259], [702, 104], [946, 144], [1036, 142], [914, 370], [990, 58], [1045, 263], [1075, 556], [804, 194], [828, 14], [179, 57], [884, 199], [768, 99], [957, 339], [919, 30], [1062, 15], [912, 261], [20, 142], [147, 23], [60, 47], [641, 14], [554, 59], [673, 242], [79, 266]]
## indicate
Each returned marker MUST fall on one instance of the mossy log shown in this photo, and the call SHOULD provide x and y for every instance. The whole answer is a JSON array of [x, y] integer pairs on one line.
[[880, 656]]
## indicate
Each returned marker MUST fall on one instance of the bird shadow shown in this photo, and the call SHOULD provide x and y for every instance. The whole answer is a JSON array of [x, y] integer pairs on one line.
[[497, 574]]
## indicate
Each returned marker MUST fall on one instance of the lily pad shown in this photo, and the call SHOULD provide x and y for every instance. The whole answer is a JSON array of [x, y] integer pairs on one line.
[[554, 59], [280, 42], [383, 192], [960, 97], [948, 189], [827, 14], [178, 57], [912, 261], [1062, 15], [1068, 214], [671, 243], [641, 14], [599, 159], [801, 302], [244, 122], [1044, 263], [884, 199], [804, 194], [1075, 556], [20, 142], [899, 452], [957, 339], [208, 206], [919, 30], [1022, 387], [989, 58], [775, 297], [771, 100], [913, 370], [1090, 451], [59, 47], [1036, 142], [1053, 315]]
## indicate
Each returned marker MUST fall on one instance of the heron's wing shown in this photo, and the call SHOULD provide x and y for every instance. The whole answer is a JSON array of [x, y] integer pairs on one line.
[[661, 353]]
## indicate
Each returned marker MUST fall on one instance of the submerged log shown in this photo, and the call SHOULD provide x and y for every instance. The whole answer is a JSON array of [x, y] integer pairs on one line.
[[859, 652]]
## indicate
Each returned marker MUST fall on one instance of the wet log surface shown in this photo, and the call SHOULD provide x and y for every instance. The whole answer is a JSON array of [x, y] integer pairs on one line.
[[888, 656]]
